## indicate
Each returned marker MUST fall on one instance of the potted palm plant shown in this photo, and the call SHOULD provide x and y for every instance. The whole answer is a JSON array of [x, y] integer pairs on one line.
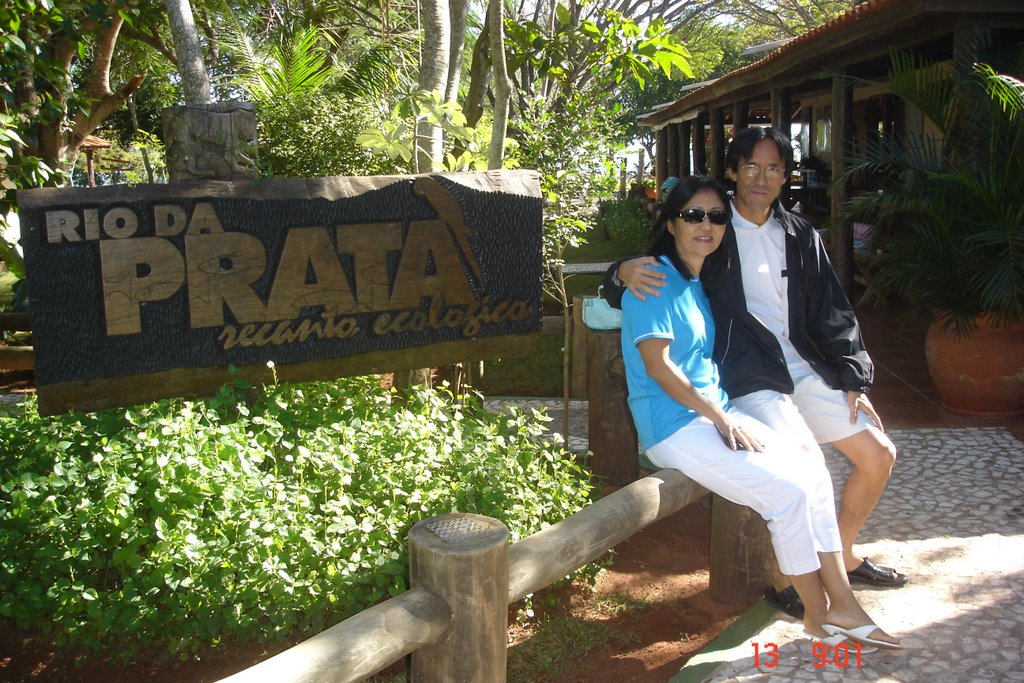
[[951, 209]]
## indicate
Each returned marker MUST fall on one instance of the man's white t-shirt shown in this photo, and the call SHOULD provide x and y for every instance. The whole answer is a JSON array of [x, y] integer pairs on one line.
[[762, 254]]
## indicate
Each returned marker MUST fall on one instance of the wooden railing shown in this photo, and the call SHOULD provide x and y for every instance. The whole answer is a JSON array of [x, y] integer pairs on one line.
[[453, 621], [16, 357]]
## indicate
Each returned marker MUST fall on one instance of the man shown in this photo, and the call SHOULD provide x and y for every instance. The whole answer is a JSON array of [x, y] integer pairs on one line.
[[788, 343]]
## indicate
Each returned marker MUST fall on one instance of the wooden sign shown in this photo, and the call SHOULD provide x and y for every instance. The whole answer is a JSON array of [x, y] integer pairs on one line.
[[145, 292]]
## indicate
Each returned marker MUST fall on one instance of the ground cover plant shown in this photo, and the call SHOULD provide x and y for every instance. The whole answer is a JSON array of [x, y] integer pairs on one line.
[[181, 525]]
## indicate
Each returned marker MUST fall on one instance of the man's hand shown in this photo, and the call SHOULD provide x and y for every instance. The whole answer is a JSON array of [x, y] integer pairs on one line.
[[641, 276], [859, 401]]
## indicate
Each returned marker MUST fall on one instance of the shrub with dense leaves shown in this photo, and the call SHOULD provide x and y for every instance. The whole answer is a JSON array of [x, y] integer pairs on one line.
[[182, 524], [625, 222]]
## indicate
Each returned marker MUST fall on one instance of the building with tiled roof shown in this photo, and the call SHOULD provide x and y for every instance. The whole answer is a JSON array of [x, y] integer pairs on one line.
[[814, 86]]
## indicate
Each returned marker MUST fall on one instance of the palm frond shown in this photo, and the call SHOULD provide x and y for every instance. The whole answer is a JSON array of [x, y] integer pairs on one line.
[[284, 67], [950, 206], [926, 86], [380, 68]]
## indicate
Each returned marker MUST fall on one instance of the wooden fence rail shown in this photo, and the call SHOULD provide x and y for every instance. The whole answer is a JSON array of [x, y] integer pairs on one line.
[[375, 638], [16, 357]]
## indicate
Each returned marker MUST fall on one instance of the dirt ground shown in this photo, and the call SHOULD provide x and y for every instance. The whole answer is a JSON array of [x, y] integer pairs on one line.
[[666, 567], [662, 572]]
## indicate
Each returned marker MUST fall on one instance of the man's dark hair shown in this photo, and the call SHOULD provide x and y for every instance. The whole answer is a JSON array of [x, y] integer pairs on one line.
[[743, 143]]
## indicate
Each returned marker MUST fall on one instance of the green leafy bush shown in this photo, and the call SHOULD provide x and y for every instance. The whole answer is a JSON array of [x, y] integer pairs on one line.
[[625, 222], [184, 524], [315, 136]]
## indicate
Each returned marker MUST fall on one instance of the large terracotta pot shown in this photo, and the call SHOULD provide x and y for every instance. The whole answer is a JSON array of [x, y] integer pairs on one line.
[[981, 375]]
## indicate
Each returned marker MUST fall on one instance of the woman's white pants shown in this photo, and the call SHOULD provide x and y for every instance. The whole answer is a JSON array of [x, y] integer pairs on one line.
[[787, 484]]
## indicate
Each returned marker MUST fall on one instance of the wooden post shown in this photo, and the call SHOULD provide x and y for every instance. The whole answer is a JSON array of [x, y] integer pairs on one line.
[[671, 152], [741, 552], [842, 144], [781, 105], [740, 116], [685, 135], [700, 152], [464, 559], [661, 160], [717, 144], [580, 336], [613, 438]]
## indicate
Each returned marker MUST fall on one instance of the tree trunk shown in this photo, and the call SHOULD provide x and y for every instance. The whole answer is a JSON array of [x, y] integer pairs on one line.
[[195, 83], [479, 77], [434, 60], [135, 130], [495, 22], [457, 43]]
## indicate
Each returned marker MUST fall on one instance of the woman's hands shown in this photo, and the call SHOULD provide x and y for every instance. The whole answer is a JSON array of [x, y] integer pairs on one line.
[[735, 436], [654, 351], [641, 279]]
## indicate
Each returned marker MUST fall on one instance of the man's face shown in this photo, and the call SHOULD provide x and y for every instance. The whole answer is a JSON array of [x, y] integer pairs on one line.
[[759, 181]]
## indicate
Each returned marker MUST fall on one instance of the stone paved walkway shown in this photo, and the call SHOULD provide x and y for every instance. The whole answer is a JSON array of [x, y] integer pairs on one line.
[[10, 399], [953, 517]]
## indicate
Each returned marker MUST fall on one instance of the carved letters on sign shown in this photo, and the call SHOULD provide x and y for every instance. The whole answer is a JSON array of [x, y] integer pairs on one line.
[[211, 281]]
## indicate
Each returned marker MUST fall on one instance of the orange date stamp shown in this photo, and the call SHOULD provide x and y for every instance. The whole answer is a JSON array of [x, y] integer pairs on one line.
[[840, 656]]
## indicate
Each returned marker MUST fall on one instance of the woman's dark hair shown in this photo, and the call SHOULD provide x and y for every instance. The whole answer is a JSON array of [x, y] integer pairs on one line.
[[664, 243]]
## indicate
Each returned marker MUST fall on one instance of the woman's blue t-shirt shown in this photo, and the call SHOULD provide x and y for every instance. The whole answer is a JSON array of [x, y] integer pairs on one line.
[[682, 315]]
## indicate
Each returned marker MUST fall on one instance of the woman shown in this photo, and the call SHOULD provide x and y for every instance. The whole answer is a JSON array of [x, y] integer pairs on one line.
[[685, 422]]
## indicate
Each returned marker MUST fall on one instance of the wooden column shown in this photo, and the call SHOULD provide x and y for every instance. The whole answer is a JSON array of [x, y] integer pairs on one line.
[[741, 553], [90, 169], [781, 108], [463, 558], [672, 151], [685, 132], [842, 144], [700, 152], [613, 438], [717, 134], [740, 116], [661, 159]]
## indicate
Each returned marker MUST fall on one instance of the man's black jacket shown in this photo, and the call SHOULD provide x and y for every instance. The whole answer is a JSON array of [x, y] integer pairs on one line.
[[822, 324]]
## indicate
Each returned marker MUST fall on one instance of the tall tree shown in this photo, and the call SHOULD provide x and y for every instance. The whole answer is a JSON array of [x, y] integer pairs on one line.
[[502, 87], [52, 112], [434, 60], [195, 82], [457, 26]]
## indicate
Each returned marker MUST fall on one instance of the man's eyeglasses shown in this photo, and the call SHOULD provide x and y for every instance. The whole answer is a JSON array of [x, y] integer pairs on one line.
[[717, 216], [770, 172]]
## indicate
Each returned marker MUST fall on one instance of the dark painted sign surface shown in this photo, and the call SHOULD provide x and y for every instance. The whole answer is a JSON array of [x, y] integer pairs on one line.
[[148, 282]]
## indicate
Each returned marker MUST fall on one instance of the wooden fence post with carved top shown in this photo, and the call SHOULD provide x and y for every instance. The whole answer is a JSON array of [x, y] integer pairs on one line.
[[463, 558]]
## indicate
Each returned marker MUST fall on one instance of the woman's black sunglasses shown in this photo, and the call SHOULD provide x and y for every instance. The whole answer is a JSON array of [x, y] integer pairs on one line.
[[718, 216]]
